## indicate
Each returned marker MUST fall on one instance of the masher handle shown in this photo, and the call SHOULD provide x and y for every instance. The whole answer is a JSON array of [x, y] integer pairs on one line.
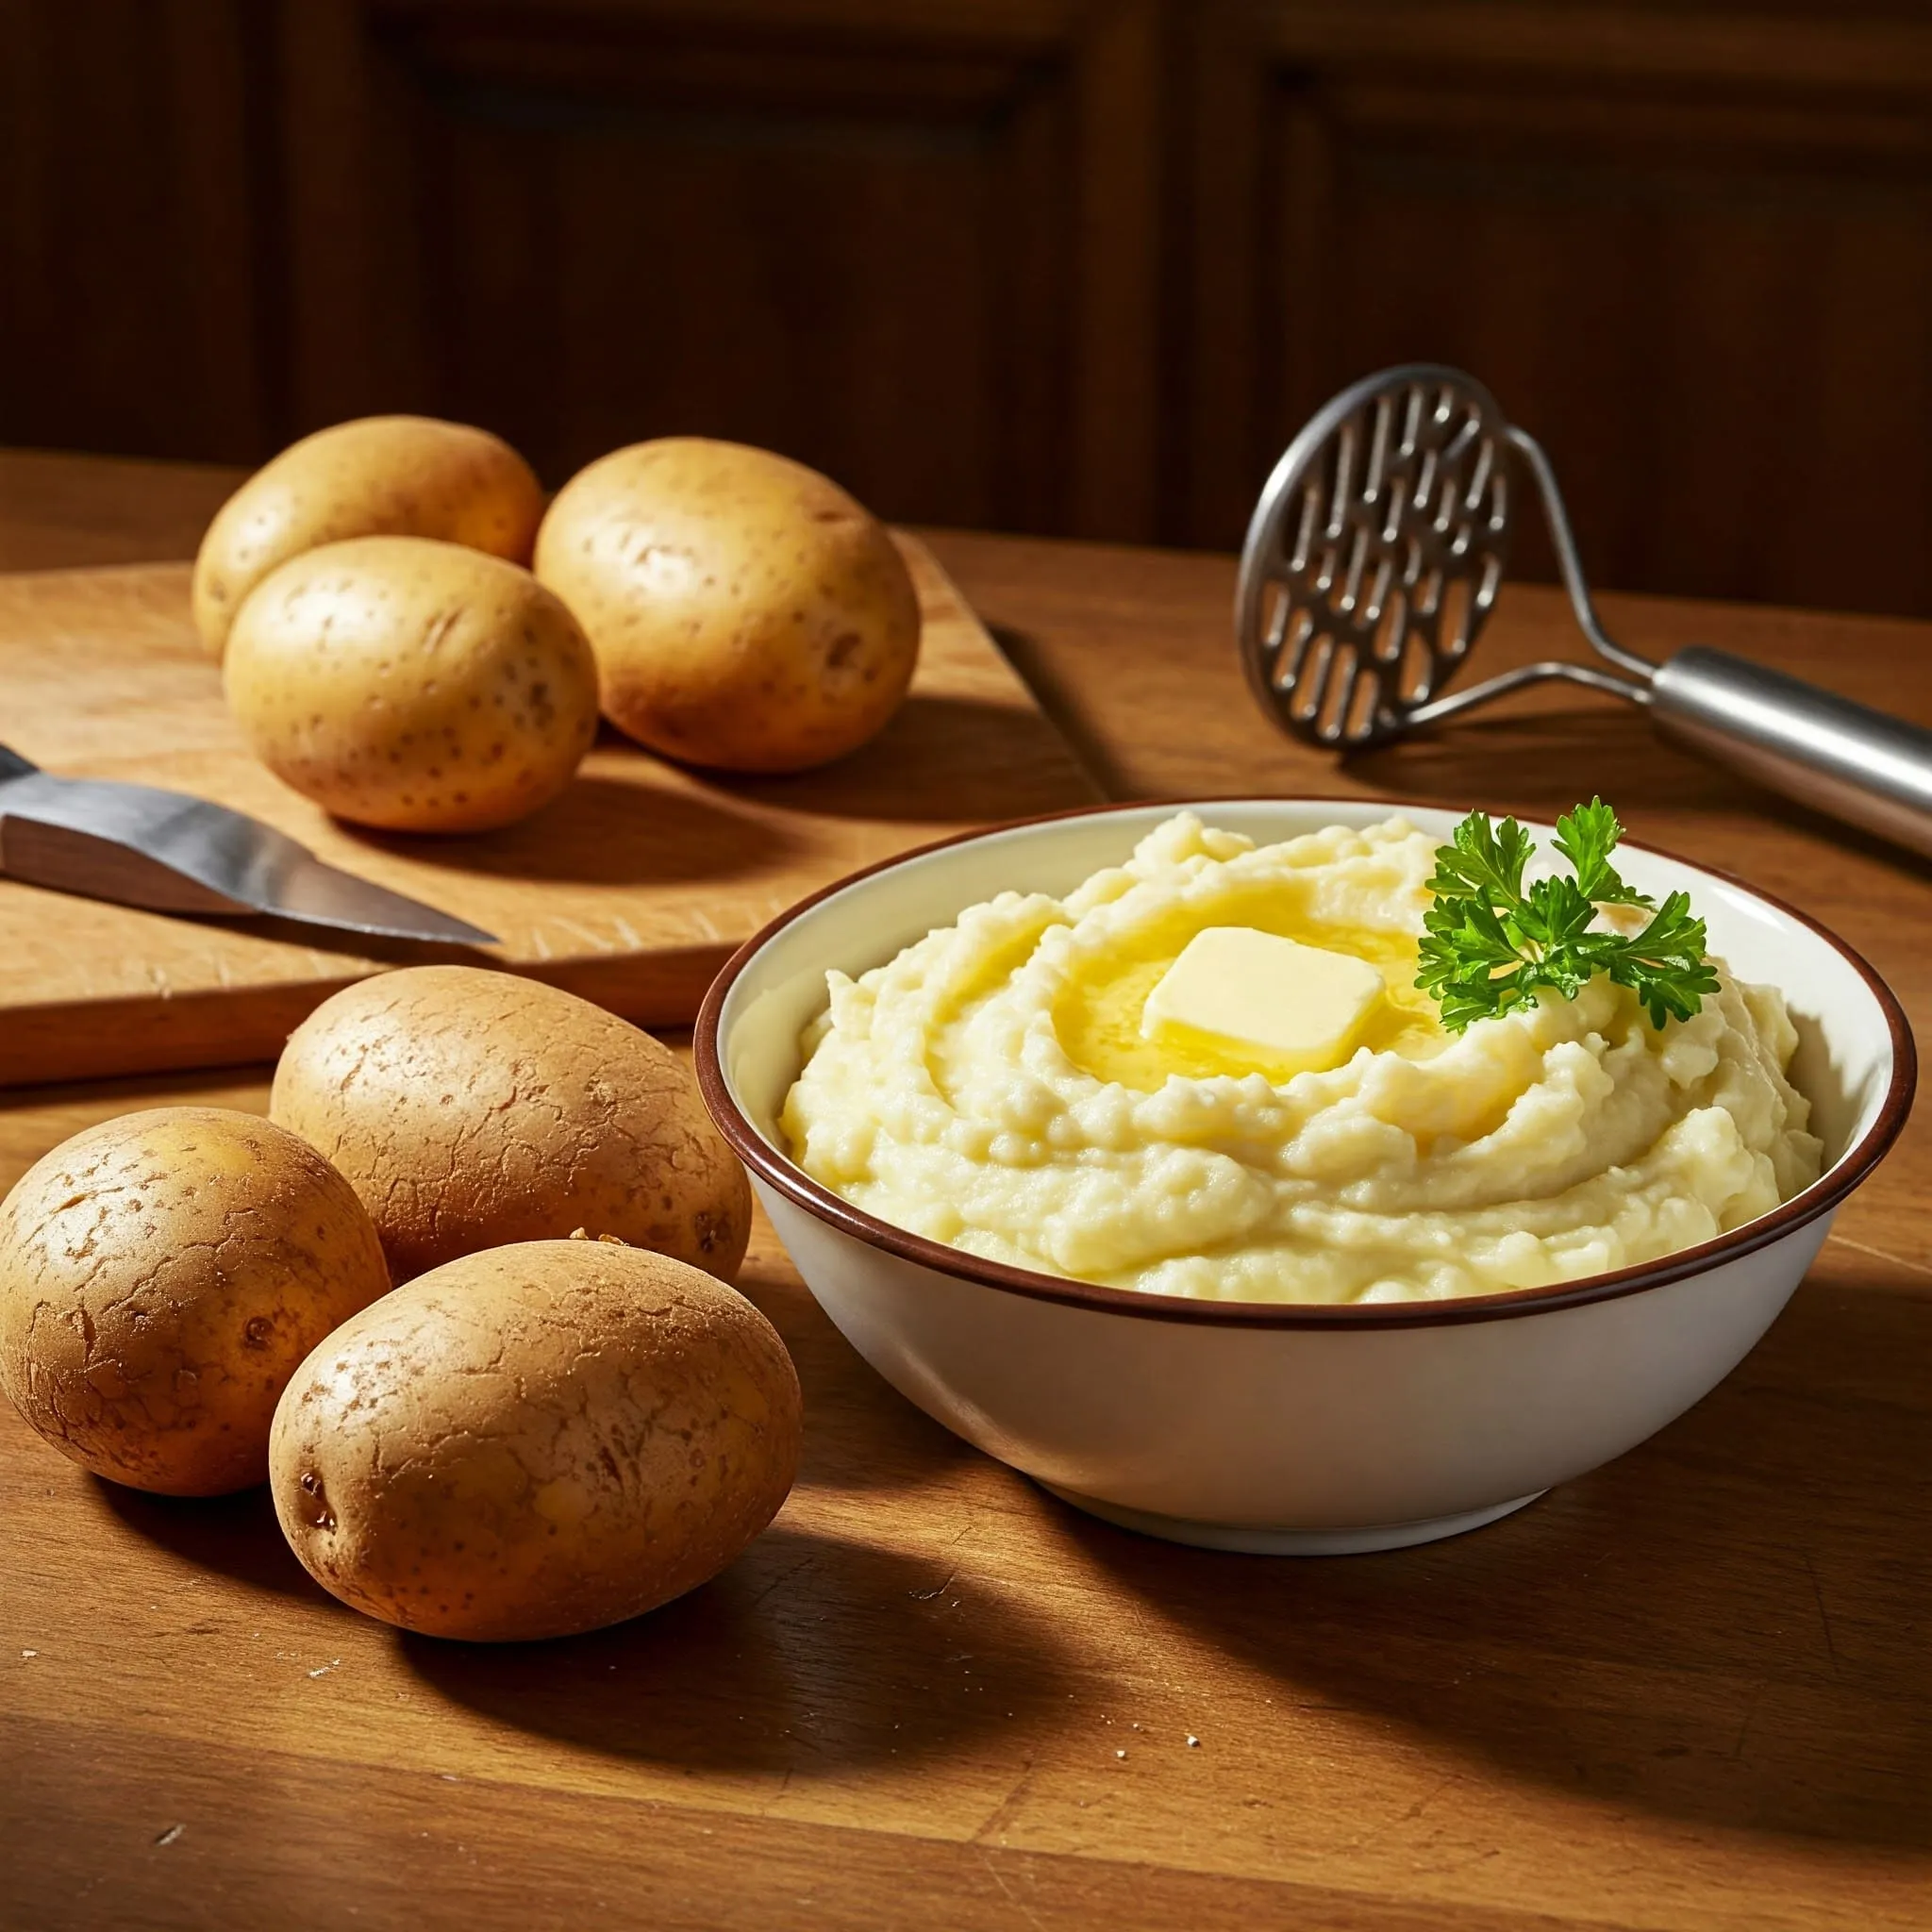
[[1847, 759]]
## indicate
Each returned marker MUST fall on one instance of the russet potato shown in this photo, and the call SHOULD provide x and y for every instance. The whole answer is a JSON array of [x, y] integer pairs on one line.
[[161, 1275], [470, 1108], [375, 476], [412, 685], [746, 613], [536, 1441]]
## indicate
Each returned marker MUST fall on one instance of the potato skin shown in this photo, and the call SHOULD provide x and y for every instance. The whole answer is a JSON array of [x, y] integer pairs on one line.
[[162, 1276], [746, 613], [536, 1441], [377, 475], [412, 685], [469, 1108]]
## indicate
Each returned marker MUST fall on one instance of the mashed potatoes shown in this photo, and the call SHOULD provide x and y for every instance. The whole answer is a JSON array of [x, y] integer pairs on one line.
[[992, 1088]]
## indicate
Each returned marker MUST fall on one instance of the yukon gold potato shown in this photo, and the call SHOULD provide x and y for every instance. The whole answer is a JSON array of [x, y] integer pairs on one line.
[[416, 686], [536, 1441], [376, 477], [469, 1108], [746, 613], [161, 1275]]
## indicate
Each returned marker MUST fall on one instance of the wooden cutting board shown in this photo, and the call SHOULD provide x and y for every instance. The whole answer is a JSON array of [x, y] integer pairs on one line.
[[632, 890]]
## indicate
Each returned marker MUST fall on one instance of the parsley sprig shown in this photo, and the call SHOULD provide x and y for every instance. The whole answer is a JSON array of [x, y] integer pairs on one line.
[[1490, 942]]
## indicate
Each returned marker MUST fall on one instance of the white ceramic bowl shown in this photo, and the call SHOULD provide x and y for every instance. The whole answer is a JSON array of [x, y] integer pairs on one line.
[[1268, 1427]]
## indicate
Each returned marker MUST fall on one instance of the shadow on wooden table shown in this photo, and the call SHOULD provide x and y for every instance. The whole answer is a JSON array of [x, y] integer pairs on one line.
[[1545, 761], [941, 760], [810, 1655], [238, 1536], [1542, 757], [1726, 1626], [1538, 758], [604, 831]]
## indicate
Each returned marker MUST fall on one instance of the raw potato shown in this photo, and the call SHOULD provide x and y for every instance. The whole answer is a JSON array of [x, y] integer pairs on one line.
[[469, 1108], [162, 1276], [746, 613], [416, 686], [377, 476], [536, 1441]]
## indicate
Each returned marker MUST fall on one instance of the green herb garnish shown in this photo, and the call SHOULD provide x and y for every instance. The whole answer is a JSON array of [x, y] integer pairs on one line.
[[1489, 943]]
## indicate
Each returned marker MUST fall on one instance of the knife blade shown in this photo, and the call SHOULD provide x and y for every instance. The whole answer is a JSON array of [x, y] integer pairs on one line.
[[167, 852]]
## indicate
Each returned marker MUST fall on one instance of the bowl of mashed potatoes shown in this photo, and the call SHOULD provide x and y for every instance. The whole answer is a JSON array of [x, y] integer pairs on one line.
[[1126, 1145]]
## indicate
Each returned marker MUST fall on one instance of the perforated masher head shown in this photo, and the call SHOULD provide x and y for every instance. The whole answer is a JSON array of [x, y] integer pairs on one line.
[[1376, 553]]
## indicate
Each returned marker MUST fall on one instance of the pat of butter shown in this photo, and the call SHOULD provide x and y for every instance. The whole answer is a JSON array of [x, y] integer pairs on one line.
[[1290, 1008]]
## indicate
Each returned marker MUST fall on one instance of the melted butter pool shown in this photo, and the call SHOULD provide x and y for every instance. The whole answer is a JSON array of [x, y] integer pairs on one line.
[[1097, 1016]]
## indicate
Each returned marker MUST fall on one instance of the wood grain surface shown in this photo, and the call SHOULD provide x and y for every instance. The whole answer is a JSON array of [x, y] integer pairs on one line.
[[631, 889], [1690, 1691]]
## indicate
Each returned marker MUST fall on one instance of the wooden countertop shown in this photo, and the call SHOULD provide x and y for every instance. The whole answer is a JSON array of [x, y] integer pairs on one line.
[[1693, 1690]]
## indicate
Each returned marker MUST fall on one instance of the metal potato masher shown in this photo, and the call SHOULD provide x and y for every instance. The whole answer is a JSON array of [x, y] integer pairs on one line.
[[1378, 550]]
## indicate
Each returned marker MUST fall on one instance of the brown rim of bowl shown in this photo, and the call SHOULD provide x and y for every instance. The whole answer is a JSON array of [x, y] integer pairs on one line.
[[1821, 1197]]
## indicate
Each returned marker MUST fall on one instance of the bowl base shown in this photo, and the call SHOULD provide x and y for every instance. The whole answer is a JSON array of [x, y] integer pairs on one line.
[[1260, 1542]]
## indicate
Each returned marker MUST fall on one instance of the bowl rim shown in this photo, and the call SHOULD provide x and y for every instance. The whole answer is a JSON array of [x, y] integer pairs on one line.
[[1822, 1197]]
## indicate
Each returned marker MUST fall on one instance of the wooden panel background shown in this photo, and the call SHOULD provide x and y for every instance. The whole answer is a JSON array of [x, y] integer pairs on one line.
[[908, 246], [1065, 266], [1690, 248]]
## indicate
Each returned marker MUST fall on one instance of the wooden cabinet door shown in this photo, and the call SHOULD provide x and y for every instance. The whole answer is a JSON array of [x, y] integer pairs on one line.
[[1688, 248], [134, 296], [914, 246]]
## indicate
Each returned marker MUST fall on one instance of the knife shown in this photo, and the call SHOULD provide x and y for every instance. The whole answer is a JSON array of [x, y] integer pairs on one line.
[[139, 845]]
